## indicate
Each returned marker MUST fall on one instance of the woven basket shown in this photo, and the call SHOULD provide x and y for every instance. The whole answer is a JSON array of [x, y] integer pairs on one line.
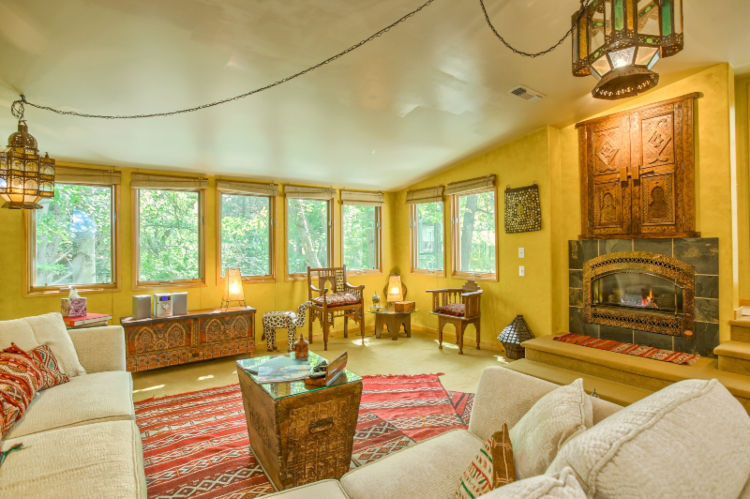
[[513, 335]]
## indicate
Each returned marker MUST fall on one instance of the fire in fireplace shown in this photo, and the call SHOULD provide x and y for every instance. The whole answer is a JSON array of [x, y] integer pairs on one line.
[[638, 290]]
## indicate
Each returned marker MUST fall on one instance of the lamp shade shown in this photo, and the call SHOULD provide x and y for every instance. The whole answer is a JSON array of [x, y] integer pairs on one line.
[[395, 291], [25, 177], [233, 290]]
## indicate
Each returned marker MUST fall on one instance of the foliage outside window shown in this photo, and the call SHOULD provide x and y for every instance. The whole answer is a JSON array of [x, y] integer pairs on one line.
[[169, 236], [361, 234], [246, 239], [474, 245], [308, 234], [427, 239], [73, 237]]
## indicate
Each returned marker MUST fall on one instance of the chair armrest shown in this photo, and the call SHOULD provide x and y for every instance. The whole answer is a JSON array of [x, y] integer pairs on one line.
[[100, 348], [317, 290], [349, 286], [446, 290], [472, 293]]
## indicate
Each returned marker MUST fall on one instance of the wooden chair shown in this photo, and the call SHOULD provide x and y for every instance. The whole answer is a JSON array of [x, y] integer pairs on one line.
[[460, 307], [344, 300]]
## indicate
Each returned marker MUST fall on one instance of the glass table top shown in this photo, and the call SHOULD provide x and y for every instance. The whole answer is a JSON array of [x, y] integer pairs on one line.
[[281, 390]]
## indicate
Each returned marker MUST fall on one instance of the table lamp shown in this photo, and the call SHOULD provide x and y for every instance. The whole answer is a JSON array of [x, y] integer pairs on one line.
[[233, 290], [395, 291]]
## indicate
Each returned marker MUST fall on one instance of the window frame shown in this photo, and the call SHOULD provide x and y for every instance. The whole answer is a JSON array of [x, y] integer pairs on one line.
[[29, 290], [456, 239], [378, 244], [331, 258], [271, 242], [413, 253], [135, 236]]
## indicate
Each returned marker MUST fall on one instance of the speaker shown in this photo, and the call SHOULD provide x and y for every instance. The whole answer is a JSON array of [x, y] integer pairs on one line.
[[179, 303], [141, 307]]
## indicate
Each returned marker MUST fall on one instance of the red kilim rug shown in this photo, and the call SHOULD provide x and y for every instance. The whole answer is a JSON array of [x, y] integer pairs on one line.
[[630, 349], [195, 445]]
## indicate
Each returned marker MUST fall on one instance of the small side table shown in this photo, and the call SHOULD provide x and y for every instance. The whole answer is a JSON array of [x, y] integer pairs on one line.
[[393, 321]]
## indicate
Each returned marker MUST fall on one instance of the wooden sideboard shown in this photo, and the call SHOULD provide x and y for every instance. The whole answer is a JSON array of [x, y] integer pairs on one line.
[[201, 335]]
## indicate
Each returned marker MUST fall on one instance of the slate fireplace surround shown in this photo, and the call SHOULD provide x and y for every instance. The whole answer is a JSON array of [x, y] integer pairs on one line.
[[655, 292]]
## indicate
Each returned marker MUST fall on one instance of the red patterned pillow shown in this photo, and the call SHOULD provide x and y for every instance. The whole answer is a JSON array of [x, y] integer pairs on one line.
[[456, 309], [338, 299], [47, 363], [20, 378]]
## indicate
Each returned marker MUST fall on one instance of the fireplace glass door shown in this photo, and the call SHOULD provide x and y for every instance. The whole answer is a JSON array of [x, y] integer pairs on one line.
[[638, 290]]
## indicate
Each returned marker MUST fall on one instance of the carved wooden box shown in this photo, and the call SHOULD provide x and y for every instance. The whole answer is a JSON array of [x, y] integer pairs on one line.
[[205, 334], [637, 172]]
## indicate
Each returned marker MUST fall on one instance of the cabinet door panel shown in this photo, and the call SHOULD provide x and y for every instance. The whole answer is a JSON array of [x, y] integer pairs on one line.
[[610, 157]]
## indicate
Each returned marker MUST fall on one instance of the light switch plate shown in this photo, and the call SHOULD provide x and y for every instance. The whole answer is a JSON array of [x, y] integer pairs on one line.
[[521, 271], [520, 253]]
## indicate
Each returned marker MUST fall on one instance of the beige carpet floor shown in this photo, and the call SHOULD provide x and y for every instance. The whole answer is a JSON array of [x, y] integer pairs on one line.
[[416, 355]]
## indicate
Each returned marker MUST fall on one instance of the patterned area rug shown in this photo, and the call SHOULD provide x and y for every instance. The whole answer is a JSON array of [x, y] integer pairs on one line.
[[630, 349], [195, 445]]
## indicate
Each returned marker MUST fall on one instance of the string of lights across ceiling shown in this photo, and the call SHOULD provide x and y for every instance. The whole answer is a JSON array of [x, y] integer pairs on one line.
[[18, 107]]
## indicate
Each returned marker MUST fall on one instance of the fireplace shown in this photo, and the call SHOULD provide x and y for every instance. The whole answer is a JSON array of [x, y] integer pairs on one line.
[[640, 290]]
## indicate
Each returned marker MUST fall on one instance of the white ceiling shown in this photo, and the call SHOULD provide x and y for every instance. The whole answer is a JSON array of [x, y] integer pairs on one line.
[[424, 96]]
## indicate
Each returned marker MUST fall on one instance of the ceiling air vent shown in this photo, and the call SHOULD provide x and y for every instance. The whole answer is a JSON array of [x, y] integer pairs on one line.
[[526, 93]]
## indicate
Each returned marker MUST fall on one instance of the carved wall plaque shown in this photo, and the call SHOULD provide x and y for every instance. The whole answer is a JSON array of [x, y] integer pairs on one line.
[[637, 172]]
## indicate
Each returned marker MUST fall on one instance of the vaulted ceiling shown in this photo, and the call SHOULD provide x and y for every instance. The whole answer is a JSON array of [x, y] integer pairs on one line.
[[424, 96]]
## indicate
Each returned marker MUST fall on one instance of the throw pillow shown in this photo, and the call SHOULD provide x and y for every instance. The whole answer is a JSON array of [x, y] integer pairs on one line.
[[47, 363], [689, 439], [562, 485], [490, 469], [553, 420], [20, 378]]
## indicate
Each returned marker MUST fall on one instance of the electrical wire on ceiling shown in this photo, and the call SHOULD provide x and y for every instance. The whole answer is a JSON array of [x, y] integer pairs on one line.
[[18, 106]]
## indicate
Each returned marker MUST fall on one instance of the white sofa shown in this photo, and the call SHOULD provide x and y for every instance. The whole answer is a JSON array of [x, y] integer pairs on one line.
[[79, 439], [432, 469]]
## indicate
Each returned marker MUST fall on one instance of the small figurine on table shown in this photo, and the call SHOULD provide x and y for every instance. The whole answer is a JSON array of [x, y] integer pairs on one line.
[[301, 348]]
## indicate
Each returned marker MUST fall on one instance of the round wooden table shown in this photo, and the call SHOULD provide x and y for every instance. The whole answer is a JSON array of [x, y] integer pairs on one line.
[[393, 321]]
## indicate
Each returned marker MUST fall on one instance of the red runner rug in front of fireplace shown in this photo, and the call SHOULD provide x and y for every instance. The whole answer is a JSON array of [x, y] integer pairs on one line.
[[630, 349], [195, 445]]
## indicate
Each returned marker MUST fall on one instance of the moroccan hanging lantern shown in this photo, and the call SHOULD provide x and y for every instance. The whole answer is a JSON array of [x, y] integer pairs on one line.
[[619, 42], [25, 177]]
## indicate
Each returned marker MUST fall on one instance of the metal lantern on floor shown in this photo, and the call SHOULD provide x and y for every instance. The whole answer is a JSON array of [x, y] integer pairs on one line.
[[619, 42], [25, 177], [513, 335]]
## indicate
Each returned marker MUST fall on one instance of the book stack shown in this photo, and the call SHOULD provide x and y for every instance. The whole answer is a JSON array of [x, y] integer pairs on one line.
[[88, 320]]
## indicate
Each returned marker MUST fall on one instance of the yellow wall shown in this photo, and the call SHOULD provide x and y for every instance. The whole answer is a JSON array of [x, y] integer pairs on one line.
[[741, 88], [280, 295]]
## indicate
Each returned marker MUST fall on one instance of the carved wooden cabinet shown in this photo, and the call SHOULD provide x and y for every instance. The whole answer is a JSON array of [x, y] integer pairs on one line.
[[638, 173], [202, 335]]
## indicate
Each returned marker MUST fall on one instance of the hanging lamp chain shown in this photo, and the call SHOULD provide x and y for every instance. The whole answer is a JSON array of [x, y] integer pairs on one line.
[[18, 107]]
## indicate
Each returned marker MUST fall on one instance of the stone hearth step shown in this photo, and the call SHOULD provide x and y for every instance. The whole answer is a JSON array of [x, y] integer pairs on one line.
[[646, 374], [740, 329], [734, 356], [608, 390]]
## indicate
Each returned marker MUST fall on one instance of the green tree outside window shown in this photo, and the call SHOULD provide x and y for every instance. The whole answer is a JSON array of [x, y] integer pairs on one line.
[[476, 218], [246, 234], [307, 229], [430, 255], [360, 234]]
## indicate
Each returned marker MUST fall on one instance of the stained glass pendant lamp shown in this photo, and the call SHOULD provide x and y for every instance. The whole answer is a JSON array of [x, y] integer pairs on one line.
[[25, 177], [620, 41]]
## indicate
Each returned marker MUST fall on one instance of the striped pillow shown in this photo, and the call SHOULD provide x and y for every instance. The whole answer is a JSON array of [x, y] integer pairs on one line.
[[20, 379], [490, 469], [48, 365]]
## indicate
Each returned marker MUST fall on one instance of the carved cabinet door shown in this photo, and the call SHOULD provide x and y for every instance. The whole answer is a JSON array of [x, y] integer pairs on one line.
[[637, 172]]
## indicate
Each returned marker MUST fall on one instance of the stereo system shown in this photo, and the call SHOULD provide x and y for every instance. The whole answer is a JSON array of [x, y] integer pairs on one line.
[[164, 305]]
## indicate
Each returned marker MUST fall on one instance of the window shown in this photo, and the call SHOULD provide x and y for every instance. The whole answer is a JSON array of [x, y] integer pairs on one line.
[[427, 237], [169, 236], [361, 237], [474, 234], [309, 234], [72, 239], [246, 236]]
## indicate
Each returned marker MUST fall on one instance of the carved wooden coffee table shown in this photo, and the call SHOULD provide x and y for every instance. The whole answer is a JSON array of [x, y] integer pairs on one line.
[[300, 434]]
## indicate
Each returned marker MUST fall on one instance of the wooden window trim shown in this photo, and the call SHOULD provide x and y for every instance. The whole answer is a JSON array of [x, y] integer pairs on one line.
[[303, 276], [136, 247], [30, 256], [456, 241], [272, 241], [379, 244], [413, 242]]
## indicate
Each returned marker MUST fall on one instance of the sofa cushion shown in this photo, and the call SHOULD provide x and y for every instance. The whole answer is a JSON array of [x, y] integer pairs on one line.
[[45, 359], [553, 420], [429, 470], [562, 485], [454, 309], [49, 329], [324, 489], [337, 299], [20, 378], [491, 468], [92, 461], [91, 398], [689, 439]]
